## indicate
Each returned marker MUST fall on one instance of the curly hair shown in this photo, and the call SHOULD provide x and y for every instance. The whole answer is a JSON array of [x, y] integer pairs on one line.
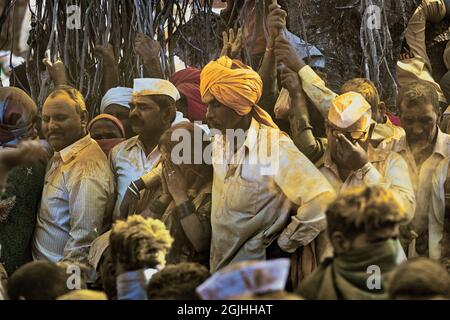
[[139, 242], [365, 210], [366, 88], [177, 282]]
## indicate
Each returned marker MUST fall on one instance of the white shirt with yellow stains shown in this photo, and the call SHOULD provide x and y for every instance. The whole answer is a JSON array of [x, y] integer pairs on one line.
[[254, 191]]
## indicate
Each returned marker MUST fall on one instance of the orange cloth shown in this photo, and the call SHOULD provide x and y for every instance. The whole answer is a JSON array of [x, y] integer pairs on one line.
[[113, 119], [239, 89]]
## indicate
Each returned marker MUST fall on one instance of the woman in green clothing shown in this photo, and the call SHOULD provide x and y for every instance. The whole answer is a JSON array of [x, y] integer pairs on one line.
[[22, 169]]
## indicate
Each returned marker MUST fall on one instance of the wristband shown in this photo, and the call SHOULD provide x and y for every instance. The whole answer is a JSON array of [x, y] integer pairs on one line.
[[360, 173], [135, 186], [185, 209], [134, 192]]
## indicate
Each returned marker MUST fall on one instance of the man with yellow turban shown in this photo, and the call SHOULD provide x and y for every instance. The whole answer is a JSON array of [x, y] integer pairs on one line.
[[261, 179]]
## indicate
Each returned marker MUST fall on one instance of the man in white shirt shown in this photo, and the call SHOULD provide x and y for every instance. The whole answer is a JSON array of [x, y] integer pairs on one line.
[[78, 186], [252, 198], [152, 111]]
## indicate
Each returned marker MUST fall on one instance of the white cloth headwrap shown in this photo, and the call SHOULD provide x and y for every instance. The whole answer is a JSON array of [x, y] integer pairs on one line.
[[248, 277], [349, 108], [119, 95], [154, 86]]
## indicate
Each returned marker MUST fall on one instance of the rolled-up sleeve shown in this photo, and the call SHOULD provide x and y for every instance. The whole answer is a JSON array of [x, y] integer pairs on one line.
[[316, 90], [305, 186]]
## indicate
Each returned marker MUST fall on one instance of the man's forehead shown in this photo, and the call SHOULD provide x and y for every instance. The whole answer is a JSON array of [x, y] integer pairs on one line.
[[208, 98], [59, 97], [60, 102], [423, 108], [141, 99], [116, 108]]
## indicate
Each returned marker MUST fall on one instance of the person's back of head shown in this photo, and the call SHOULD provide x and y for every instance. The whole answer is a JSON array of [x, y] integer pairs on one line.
[[83, 295], [420, 279], [177, 282], [108, 276], [139, 243], [364, 215], [40, 280], [369, 91]]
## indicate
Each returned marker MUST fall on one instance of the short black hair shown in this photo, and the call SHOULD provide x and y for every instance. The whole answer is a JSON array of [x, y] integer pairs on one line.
[[418, 92], [39, 280], [177, 282]]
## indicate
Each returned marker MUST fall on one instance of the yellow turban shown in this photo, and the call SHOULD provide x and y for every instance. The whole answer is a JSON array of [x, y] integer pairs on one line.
[[239, 89]]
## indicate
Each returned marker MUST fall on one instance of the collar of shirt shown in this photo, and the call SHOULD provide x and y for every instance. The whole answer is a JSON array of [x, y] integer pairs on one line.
[[250, 142], [251, 135], [386, 131], [441, 146], [70, 152]]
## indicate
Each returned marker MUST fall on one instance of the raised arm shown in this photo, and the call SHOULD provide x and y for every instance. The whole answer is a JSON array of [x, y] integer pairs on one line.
[[312, 84], [276, 22], [148, 50], [110, 67], [301, 129], [309, 190], [57, 72]]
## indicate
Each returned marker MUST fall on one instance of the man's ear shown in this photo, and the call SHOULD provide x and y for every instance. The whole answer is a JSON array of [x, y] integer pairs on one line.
[[169, 114], [338, 241], [371, 129], [382, 108], [84, 115]]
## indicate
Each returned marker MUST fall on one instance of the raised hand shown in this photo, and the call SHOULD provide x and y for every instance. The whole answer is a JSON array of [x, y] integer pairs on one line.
[[276, 21], [176, 183], [232, 44], [291, 81], [147, 48], [57, 71], [285, 53], [353, 155], [106, 52]]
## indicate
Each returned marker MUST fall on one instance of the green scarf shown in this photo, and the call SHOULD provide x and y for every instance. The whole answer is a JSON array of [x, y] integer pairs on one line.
[[346, 277]]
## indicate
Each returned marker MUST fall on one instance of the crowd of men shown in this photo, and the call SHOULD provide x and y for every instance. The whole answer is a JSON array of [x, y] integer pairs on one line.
[[229, 183]]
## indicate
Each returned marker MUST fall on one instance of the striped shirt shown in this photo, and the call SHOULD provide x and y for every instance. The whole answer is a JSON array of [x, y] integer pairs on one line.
[[78, 192]]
